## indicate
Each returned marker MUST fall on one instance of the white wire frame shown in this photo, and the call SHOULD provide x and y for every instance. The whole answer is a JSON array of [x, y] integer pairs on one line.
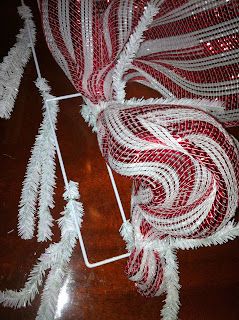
[[64, 175], [63, 170]]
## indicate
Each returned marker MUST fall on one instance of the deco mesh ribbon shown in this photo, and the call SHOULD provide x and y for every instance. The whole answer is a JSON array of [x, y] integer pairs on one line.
[[183, 163], [190, 50], [184, 167]]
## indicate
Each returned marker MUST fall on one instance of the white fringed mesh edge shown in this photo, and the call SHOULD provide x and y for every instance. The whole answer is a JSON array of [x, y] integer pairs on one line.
[[12, 67], [212, 107]]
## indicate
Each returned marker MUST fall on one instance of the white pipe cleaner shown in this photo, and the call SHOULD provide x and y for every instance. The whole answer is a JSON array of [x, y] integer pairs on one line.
[[40, 176], [55, 258], [12, 67], [126, 57]]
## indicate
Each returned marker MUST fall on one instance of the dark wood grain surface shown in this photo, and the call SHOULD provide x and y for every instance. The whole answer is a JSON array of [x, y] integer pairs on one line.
[[209, 276]]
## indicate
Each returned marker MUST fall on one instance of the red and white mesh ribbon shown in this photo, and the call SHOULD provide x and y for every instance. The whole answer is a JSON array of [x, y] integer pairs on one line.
[[190, 50], [183, 163], [184, 167]]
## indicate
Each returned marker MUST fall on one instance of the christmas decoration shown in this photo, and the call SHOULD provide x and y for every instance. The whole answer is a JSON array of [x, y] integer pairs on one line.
[[183, 163]]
